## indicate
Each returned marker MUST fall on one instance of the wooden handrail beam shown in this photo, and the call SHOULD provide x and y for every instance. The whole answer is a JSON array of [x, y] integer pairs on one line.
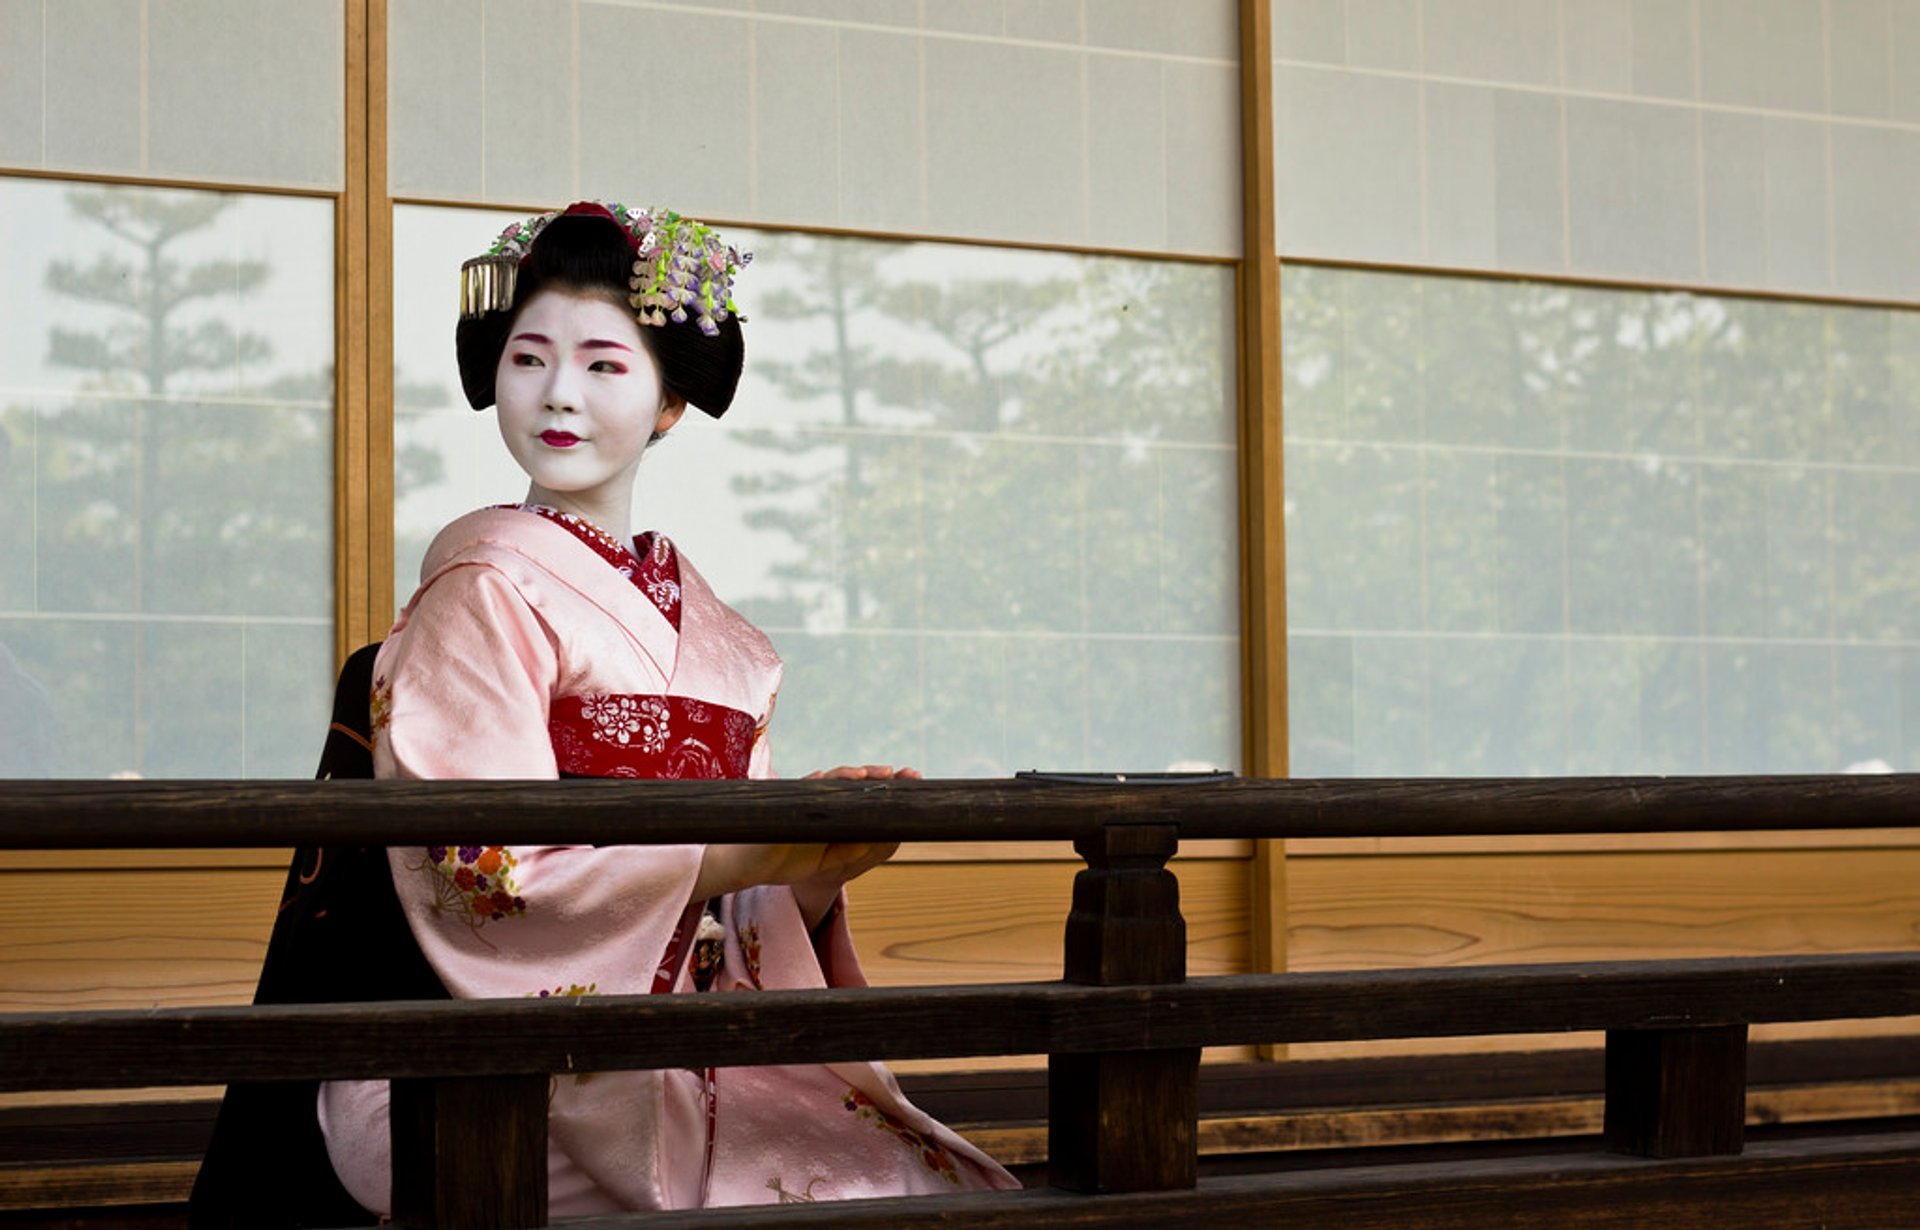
[[225, 814], [1772, 1185], [191, 1046]]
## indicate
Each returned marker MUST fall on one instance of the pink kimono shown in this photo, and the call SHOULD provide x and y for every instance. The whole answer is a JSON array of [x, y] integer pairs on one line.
[[538, 647]]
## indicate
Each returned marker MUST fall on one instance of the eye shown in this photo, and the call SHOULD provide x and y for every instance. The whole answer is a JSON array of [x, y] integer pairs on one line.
[[609, 366], [523, 359]]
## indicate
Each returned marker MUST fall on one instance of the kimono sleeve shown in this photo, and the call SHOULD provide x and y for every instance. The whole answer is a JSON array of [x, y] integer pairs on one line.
[[463, 689], [469, 687]]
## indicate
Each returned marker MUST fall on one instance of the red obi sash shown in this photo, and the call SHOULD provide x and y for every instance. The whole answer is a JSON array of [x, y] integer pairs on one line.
[[649, 737]]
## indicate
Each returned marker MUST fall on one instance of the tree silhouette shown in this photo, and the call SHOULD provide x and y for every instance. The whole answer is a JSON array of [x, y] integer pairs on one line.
[[175, 486], [984, 493], [149, 287]]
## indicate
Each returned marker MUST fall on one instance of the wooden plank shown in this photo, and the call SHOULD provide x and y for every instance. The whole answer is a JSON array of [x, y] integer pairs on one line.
[[1062, 851], [1382, 912], [351, 505], [594, 1033], [1263, 539], [116, 1183], [140, 860], [1868, 1182], [1394, 912], [1399, 1126], [916, 924], [1612, 843], [155, 814], [1777, 1072], [131, 939], [374, 544], [1676, 1092], [934, 924], [470, 1153]]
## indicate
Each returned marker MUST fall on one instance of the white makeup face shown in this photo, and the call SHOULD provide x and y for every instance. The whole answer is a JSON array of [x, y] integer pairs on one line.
[[577, 397]]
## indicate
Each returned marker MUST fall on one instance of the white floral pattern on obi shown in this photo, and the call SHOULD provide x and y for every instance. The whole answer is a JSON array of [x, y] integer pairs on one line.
[[639, 721], [599, 734]]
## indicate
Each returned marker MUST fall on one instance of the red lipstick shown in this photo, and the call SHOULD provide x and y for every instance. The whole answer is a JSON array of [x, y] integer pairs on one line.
[[559, 439]]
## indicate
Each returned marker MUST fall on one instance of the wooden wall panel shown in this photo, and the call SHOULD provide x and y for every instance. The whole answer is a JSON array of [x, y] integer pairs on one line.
[[944, 923], [133, 939], [1383, 911]]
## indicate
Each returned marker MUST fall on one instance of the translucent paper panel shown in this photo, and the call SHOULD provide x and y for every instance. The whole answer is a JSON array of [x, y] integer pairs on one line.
[[241, 90], [1051, 121], [982, 500], [1537, 529], [1757, 144], [166, 488]]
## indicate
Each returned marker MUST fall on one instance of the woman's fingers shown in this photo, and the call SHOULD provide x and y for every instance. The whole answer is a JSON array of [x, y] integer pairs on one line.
[[864, 772]]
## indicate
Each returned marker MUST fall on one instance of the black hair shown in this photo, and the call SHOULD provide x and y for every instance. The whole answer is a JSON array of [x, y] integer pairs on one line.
[[589, 254]]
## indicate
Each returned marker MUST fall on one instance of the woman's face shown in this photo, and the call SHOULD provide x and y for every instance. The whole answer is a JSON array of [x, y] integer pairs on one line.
[[579, 396]]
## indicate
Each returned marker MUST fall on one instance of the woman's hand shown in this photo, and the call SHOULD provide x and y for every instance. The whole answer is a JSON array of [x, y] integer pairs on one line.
[[815, 870], [863, 773], [817, 893]]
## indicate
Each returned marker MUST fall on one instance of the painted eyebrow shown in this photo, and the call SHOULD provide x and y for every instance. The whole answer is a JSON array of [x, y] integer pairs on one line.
[[594, 343]]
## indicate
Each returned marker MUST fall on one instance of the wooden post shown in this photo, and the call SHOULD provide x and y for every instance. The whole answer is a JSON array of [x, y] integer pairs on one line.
[[470, 1153], [1677, 1092], [1125, 1121]]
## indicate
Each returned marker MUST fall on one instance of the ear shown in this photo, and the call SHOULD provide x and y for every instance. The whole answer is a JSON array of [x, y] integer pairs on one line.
[[670, 411]]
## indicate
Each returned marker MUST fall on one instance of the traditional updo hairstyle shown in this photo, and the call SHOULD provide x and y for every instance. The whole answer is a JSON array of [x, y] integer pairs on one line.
[[585, 252]]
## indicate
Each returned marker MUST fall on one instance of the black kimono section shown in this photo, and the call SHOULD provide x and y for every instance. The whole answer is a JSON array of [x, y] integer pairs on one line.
[[339, 937]]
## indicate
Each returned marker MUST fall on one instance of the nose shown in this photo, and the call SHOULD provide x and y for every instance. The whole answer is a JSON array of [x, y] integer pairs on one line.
[[563, 390]]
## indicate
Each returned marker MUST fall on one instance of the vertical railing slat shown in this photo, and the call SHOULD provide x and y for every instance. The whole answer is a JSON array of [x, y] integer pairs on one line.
[[470, 1153], [1125, 1120], [1677, 1092]]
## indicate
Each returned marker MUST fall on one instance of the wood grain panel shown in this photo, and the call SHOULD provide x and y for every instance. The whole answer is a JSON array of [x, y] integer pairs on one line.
[[1384, 911], [1575, 843], [947, 923], [919, 924], [129, 939], [140, 860]]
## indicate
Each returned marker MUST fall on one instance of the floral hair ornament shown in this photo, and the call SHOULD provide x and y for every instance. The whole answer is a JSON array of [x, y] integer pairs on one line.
[[682, 269]]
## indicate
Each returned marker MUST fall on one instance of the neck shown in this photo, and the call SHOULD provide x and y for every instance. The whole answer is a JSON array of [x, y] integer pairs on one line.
[[611, 513]]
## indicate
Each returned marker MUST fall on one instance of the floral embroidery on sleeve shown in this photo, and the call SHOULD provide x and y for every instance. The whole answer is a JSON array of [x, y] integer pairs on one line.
[[380, 706], [786, 1195], [750, 953], [931, 1153], [570, 990], [475, 883]]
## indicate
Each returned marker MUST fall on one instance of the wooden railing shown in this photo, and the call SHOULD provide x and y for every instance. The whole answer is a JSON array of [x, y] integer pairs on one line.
[[1123, 1029]]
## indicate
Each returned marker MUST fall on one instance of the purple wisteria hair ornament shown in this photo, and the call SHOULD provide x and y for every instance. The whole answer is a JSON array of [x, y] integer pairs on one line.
[[682, 269]]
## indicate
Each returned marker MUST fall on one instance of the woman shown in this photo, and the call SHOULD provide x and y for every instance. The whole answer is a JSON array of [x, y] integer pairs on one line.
[[545, 640]]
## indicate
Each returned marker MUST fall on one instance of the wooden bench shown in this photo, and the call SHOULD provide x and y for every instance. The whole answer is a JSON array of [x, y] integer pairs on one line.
[[1122, 1031]]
